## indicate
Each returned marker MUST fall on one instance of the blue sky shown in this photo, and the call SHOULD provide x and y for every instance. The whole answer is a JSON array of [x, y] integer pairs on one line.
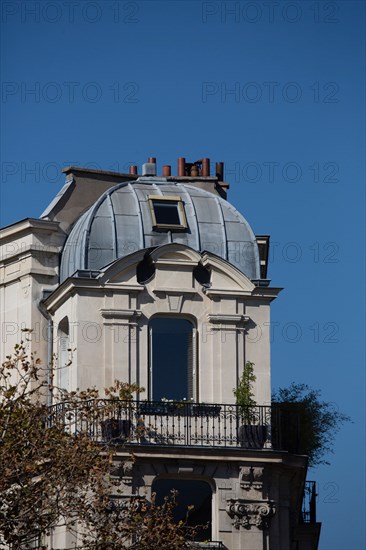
[[273, 89]]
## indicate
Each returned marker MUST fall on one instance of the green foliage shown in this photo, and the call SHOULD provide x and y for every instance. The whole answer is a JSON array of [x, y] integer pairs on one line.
[[244, 391], [122, 391], [244, 394], [52, 476], [159, 519], [318, 420]]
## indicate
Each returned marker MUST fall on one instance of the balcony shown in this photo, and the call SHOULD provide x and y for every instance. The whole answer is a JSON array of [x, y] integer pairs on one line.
[[209, 545], [307, 532], [178, 424], [308, 510]]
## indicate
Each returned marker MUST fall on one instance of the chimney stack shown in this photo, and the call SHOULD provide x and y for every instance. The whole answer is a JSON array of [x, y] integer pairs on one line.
[[149, 168], [181, 166], [194, 171], [220, 171], [200, 168], [205, 167]]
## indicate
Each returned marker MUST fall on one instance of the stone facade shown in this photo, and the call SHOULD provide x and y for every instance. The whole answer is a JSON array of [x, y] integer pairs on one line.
[[104, 316]]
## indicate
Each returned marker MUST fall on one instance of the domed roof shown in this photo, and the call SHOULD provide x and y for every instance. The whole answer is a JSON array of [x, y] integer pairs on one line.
[[120, 222]]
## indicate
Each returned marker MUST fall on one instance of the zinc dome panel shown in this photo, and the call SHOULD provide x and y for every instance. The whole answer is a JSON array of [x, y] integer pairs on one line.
[[120, 223]]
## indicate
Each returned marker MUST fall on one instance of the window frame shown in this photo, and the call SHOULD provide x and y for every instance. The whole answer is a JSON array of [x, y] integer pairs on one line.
[[186, 479], [192, 365], [64, 355], [180, 209]]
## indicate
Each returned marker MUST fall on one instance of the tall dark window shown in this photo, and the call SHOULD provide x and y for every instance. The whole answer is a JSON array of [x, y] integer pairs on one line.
[[171, 358], [194, 492], [63, 354]]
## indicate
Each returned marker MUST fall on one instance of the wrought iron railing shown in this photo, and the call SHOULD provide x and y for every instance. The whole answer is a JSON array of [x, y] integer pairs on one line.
[[178, 424], [209, 545], [308, 510], [30, 543]]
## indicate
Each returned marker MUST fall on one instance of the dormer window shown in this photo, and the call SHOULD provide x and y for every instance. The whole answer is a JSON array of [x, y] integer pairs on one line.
[[167, 212]]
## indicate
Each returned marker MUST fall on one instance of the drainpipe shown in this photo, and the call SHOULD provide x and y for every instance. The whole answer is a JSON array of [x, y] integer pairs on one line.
[[48, 316]]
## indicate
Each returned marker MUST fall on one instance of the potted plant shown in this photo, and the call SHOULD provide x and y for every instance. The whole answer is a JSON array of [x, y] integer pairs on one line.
[[250, 433], [119, 408]]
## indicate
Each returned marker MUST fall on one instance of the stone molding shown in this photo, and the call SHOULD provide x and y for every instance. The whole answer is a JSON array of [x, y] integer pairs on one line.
[[251, 477], [127, 472], [250, 513], [229, 319], [120, 313]]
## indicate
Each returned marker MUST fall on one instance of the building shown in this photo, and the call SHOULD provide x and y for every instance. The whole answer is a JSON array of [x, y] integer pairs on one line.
[[159, 280]]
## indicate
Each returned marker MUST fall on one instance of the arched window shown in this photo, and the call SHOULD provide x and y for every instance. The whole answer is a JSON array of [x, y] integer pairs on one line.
[[172, 359], [63, 354], [190, 492]]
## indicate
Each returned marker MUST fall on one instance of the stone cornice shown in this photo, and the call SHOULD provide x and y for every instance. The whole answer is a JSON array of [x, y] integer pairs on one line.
[[120, 313], [91, 171], [122, 287], [266, 292], [34, 271], [27, 225], [74, 284], [212, 292], [31, 251], [174, 291], [175, 261], [217, 454], [221, 318]]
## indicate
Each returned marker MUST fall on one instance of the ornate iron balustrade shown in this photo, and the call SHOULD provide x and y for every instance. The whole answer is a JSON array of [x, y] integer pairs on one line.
[[308, 510], [209, 545], [176, 423]]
